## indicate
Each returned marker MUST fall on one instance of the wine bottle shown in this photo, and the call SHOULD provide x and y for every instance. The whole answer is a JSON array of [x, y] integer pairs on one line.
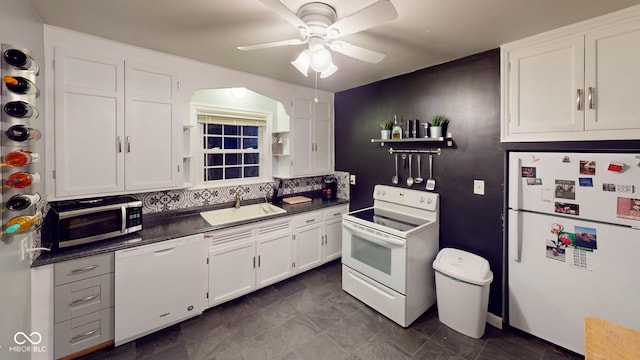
[[20, 85], [20, 60], [22, 223], [22, 201], [22, 180], [22, 133], [20, 109], [21, 158]]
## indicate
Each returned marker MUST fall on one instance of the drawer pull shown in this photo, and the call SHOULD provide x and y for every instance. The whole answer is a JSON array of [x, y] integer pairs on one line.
[[337, 214], [83, 270], [82, 336], [310, 221], [83, 300]]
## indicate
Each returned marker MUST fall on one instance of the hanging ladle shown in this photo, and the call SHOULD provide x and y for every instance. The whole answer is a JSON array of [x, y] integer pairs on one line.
[[419, 179], [410, 179], [394, 179]]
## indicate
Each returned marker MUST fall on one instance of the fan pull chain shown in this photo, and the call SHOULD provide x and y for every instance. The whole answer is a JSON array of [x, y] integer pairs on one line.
[[316, 98]]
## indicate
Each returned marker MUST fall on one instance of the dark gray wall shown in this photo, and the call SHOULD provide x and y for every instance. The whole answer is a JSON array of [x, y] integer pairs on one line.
[[468, 92]]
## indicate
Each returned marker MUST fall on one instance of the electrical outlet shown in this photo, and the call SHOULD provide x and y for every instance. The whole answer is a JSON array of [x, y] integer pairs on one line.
[[352, 179], [478, 187], [24, 246]]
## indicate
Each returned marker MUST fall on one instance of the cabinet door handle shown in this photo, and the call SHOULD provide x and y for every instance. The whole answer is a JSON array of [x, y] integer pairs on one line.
[[310, 221], [254, 262], [119, 144], [128, 144], [82, 270], [83, 300], [82, 336], [590, 96], [258, 260], [579, 100]]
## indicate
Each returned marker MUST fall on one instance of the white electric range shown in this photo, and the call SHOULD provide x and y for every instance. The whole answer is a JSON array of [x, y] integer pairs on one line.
[[387, 252]]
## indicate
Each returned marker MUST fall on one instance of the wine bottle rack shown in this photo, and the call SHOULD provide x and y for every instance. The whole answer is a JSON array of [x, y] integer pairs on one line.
[[28, 72]]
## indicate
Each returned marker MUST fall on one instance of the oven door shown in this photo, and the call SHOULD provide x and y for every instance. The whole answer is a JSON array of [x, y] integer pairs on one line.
[[377, 255]]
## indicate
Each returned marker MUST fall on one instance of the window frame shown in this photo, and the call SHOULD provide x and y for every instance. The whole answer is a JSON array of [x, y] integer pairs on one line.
[[264, 144]]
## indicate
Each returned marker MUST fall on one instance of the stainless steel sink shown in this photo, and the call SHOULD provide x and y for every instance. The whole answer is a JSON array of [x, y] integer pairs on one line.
[[245, 212]]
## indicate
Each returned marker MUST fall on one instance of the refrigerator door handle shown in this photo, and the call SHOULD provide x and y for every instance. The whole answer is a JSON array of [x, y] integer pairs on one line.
[[515, 236], [515, 182]]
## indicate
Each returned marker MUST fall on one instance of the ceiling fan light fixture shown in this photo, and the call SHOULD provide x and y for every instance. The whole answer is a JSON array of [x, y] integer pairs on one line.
[[302, 62], [320, 59], [329, 71]]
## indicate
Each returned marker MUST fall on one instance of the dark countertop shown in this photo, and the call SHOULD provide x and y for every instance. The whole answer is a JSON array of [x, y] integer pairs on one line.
[[171, 225]]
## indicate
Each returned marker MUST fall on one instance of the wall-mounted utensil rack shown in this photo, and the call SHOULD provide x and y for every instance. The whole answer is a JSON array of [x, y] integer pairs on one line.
[[444, 141], [437, 151]]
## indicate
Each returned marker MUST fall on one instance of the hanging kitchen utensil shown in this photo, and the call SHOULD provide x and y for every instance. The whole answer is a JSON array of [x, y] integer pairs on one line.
[[419, 179], [410, 178], [431, 182], [394, 179]]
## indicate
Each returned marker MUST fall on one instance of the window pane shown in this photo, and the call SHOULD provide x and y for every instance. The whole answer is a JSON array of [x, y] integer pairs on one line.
[[213, 174], [231, 130], [250, 143], [214, 129], [213, 160], [233, 159], [233, 172], [231, 143], [213, 142], [251, 171], [250, 130], [251, 158]]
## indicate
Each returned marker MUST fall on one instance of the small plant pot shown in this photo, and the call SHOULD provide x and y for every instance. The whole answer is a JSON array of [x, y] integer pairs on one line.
[[435, 132], [385, 134]]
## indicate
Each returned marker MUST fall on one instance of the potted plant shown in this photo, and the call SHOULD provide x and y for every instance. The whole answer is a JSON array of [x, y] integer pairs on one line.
[[385, 129], [436, 124]]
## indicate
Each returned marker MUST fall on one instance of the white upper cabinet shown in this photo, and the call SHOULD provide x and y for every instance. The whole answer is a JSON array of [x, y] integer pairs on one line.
[[116, 127], [574, 83]]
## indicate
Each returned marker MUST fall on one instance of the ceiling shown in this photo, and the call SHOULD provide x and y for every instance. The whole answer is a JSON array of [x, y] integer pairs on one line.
[[425, 33]]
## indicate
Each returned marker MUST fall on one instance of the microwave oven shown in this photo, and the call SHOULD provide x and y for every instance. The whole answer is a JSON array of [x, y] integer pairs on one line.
[[75, 222]]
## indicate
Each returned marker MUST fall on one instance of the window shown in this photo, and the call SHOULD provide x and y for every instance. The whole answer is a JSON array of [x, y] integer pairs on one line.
[[232, 146]]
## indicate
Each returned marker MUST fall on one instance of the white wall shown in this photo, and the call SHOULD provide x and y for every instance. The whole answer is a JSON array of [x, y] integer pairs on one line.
[[19, 26]]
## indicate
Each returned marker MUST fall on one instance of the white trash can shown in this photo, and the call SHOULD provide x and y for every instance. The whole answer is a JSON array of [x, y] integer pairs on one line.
[[462, 290]]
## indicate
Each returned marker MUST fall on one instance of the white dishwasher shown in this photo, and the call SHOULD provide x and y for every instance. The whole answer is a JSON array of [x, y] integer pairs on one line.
[[158, 285]]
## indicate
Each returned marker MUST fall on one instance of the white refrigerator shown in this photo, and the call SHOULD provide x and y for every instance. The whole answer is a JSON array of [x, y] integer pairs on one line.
[[573, 243]]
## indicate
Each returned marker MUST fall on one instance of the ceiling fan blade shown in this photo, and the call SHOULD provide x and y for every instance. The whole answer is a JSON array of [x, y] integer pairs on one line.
[[356, 52], [375, 14], [272, 44], [284, 12]]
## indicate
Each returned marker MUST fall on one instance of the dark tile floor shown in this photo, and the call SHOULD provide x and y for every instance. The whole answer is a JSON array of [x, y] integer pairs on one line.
[[310, 317]]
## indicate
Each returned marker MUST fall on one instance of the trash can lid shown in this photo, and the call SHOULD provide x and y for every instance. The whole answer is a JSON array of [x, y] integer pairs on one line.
[[463, 266]]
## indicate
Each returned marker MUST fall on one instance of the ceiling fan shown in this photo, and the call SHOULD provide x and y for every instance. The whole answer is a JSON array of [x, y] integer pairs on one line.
[[320, 29]]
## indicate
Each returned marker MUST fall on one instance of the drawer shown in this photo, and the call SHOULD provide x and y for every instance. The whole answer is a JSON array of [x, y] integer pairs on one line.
[[309, 218], [83, 332], [84, 268], [335, 212], [82, 297]]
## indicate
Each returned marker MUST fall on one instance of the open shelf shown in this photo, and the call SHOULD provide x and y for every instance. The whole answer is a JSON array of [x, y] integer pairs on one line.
[[446, 141]]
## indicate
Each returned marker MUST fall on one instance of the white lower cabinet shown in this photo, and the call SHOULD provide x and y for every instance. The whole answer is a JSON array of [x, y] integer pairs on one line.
[[307, 241], [332, 233]]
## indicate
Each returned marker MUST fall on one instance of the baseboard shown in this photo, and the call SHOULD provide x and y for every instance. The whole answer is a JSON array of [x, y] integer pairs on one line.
[[494, 320]]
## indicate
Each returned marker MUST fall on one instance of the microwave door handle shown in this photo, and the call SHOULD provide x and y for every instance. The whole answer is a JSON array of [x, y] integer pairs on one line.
[[373, 237], [72, 213], [124, 219]]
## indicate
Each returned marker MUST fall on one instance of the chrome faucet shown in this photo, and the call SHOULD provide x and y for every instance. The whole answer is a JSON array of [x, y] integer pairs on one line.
[[237, 205]]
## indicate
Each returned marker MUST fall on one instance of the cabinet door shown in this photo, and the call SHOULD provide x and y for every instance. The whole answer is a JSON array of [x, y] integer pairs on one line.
[[231, 270], [88, 123], [613, 77], [332, 240], [152, 132], [274, 259], [323, 138], [301, 137], [307, 244], [545, 82]]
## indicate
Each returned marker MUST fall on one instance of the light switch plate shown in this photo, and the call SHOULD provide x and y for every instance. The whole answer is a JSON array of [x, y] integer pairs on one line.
[[352, 179], [478, 187]]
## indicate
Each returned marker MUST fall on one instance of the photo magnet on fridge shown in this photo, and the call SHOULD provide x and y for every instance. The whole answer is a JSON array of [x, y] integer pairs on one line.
[[585, 182], [566, 189], [587, 167], [528, 172]]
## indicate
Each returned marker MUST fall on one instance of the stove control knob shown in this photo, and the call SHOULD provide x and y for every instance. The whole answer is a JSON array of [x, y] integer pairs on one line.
[[384, 192], [421, 199], [429, 200]]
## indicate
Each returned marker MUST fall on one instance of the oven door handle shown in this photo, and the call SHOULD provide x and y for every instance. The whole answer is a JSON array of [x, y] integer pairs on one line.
[[373, 236]]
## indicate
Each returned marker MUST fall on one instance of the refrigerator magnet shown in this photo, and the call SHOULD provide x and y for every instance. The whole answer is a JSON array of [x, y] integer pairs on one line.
[[528, 172], [565, 208], [585, 182], [587, 167], [566, 189], [535, 181], [615, 167]]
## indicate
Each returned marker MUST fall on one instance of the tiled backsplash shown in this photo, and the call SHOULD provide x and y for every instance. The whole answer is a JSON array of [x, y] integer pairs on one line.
[[160, 201]]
